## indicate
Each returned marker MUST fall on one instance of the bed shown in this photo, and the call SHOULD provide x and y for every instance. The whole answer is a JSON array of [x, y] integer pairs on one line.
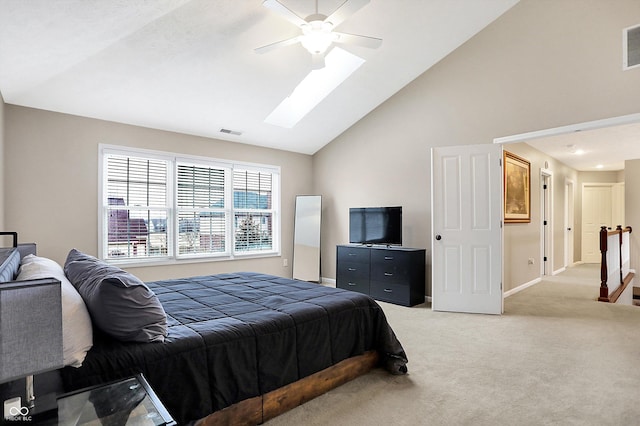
[[244, 347]]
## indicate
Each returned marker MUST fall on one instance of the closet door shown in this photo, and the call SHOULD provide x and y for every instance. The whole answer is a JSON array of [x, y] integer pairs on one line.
[[596, 212]]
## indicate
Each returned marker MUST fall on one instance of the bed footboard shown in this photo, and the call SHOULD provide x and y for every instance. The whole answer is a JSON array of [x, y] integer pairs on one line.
[[258, 410]]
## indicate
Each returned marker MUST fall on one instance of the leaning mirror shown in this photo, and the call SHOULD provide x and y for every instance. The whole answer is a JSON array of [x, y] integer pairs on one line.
[[306, 238]]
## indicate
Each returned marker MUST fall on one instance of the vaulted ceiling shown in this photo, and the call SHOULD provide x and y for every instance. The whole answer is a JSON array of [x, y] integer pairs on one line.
[[189, 66]]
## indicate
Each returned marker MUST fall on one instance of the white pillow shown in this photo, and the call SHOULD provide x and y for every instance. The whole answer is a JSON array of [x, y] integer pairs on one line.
[[77, 333]]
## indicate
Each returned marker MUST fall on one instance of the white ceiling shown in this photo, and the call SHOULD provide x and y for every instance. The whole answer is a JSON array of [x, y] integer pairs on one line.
[[601, 145], [189, 66]]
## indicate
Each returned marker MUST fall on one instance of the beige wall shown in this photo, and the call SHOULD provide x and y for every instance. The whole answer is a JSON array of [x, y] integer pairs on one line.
[[523, 240], [632, 208], [543, 64], [51, 196]]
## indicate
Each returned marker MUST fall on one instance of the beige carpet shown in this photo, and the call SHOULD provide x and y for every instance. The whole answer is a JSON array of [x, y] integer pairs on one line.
[[556, 357]]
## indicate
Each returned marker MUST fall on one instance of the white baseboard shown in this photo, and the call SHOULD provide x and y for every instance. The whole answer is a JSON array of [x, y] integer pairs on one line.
[[559, 271], [329, 282], [521, 287]]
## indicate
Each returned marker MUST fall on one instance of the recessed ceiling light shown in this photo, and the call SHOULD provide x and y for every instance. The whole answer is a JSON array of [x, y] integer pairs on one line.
[[599, 166], [316, 86], [579, 152]]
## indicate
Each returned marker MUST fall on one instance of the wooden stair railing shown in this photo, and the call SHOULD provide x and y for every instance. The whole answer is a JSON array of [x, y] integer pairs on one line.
[[615, 253]]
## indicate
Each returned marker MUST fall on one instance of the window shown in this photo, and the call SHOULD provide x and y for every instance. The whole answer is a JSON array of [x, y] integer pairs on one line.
[[161, 206]]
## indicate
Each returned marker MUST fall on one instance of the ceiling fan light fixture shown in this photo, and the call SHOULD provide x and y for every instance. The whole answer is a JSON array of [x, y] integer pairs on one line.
[[317, 36]]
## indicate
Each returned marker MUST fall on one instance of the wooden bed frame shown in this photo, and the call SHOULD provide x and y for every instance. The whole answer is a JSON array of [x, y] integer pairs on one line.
[[257, 410]]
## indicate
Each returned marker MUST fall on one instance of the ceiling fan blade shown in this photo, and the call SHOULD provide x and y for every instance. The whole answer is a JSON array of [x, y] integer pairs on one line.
[[317, 61], [358, 40], [283, 11], [277, 44], [347, 9]]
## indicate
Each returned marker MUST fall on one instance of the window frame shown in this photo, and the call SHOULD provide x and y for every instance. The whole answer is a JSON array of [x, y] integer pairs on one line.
[[172, 228]]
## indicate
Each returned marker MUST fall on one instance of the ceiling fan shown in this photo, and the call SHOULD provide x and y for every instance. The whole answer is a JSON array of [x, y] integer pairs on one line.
[[318, 30]]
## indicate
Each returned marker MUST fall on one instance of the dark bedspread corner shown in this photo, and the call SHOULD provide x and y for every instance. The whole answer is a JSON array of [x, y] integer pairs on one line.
[[237, 336]]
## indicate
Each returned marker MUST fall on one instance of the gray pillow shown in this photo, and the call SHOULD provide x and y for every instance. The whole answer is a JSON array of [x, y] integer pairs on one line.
[[119, 303]]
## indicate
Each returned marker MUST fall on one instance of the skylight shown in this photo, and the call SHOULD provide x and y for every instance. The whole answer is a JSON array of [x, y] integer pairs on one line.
[[339, 65]]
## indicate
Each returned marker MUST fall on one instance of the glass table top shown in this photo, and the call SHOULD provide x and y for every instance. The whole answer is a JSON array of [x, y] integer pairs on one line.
[[127, 402]]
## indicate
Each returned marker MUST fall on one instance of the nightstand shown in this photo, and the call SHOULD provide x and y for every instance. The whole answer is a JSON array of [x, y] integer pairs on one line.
[[129, 401]]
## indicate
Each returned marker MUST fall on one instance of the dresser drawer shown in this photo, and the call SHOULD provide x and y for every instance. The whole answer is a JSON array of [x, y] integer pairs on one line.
[[353, 270], [361, 286], [390, 266], [353, 276], [393, 293], [353, 254]]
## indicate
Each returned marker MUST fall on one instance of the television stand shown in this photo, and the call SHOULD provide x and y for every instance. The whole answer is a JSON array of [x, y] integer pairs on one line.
[[390, 274]]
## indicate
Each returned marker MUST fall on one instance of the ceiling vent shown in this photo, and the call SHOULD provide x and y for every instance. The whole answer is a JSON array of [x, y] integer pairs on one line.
[[231, 132], [631, 46]]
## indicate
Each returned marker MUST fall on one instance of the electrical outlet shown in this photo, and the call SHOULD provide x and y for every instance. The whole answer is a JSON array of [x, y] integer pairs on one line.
[[531, 261], [12, 407], [285, 262]]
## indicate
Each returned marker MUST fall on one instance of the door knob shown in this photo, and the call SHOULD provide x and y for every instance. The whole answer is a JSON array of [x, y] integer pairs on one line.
[[438, 237]]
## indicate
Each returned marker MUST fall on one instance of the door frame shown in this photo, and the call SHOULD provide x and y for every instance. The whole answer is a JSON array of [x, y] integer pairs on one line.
[[546, 233], [569, 219]]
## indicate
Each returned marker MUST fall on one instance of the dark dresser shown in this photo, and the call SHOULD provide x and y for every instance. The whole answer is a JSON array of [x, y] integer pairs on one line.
[[389, 274]]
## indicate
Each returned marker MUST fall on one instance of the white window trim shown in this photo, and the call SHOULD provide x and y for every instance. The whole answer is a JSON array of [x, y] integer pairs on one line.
[[174, 159]]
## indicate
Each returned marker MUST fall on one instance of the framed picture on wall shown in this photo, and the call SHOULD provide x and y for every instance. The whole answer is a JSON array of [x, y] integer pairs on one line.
[[517, 189]]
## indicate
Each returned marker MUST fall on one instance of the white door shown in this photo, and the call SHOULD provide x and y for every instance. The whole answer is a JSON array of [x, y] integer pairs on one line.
[[568, 223], [546, 243], [596, 212], [466, 214]]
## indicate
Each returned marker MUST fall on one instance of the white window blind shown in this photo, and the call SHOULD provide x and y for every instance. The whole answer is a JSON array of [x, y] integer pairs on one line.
[[202, 219], [163, 206], [136, 207], [253, 210]]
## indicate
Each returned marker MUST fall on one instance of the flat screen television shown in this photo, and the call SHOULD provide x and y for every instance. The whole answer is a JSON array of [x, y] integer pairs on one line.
[[375, 225]]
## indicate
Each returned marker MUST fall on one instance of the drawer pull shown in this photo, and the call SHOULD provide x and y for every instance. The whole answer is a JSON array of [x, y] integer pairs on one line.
[[388, 274], [352, 269], [388, 258], [352, 284], [388, 290]]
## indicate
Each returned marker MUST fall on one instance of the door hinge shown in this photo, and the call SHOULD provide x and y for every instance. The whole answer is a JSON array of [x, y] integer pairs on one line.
[[500, 161], [545, 223], [500, 224], [544, 186], [545, 258]]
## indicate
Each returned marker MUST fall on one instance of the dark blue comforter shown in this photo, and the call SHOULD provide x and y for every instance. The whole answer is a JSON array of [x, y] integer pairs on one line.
[[237, 336]]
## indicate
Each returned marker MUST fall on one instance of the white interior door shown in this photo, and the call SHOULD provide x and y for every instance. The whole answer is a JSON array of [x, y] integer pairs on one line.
[[568, 223], [596, 212], [546, 243], [466, 212]]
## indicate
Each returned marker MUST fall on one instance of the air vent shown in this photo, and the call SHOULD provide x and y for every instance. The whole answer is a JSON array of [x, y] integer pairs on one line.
[[231, 132], [631, 39]]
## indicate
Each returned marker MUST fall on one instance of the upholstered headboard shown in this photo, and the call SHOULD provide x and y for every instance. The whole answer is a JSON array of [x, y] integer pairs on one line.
[[10, 257]]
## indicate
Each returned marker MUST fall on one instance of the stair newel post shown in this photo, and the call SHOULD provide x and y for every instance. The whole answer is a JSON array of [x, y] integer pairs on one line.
[[604, 290]]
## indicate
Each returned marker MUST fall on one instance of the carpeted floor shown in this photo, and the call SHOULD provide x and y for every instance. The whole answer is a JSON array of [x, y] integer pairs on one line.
[[556, 357]]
